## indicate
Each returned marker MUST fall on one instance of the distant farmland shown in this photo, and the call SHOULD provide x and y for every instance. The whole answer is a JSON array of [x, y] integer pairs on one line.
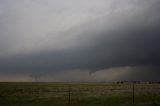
[[79, 94]]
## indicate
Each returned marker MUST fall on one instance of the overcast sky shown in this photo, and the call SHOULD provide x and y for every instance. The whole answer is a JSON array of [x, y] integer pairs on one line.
[[79, 40]]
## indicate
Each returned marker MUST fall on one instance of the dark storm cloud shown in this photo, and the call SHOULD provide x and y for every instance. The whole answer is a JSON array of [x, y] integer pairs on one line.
[[124, 37], [129, 47]]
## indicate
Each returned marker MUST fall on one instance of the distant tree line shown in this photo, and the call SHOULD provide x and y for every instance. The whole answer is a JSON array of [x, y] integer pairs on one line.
[[138, 82]]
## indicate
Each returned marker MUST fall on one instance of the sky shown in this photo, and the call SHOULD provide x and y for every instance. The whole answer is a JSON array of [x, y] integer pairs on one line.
[[79, 40]]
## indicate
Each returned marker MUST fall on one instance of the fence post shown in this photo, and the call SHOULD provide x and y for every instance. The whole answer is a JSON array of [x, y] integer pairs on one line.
[[69, 96], [133, 93]]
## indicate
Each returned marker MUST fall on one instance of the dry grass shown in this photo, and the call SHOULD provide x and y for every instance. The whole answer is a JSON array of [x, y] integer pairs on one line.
[[82, 94]]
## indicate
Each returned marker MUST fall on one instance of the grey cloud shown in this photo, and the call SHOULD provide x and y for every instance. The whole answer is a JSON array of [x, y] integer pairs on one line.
[[126, 36], [32, 26], [129, 47], [148, 73]]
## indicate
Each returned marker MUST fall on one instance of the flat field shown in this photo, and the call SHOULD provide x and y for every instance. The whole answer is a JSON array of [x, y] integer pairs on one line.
[[81, 94]]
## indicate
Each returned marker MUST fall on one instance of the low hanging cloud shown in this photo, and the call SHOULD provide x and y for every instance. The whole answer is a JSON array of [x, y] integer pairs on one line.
[[63, 43], [148, 73]]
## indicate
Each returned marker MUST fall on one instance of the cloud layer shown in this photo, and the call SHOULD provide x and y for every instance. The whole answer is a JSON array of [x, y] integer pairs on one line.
[[57, 38]]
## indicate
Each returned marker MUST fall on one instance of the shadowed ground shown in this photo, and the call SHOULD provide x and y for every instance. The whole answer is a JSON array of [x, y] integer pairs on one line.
[[82, 94]]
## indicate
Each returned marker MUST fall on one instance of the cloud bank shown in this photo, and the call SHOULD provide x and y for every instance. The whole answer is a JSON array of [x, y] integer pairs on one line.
[[88, 40]]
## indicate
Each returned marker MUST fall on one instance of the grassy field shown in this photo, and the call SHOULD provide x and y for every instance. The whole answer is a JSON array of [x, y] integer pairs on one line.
[[81, 94]]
